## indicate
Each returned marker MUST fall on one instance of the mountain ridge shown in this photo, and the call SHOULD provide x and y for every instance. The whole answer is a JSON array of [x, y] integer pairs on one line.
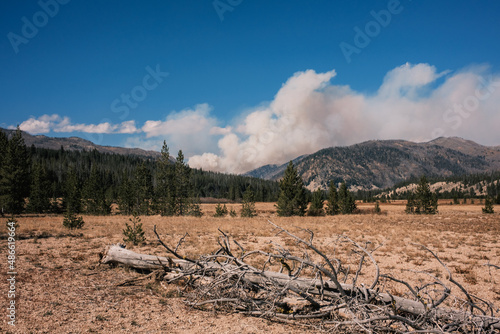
[[78, 144], [378, 164]]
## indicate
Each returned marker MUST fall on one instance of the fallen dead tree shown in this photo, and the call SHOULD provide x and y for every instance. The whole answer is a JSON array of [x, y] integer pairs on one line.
[[311, 286]]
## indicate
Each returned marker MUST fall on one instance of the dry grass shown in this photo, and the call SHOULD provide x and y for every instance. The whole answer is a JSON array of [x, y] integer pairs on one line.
[[62, 289]]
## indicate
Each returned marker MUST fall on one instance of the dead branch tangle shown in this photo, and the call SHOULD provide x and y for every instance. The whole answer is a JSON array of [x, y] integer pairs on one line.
[[309, 285]]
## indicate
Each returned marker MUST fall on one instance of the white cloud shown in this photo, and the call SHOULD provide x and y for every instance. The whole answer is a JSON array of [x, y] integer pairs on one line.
[[127, 127], [191, 130], [309, 113], [56, 123], [185, 122]]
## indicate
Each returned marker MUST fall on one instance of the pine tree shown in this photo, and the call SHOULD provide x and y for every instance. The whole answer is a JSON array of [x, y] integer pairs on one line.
[[94, 197], [194, 207], [39, 199], [332, 204], [71, 221], [423, 201], [316, 207], [126, 196], [181, 186], [347, 204], [14, 179], [221, 211], [165, 183], [488, 205], [292, 199], [134, 233], [232, 193], [248, 204], [410, 204], [72, 200], [143, 185]]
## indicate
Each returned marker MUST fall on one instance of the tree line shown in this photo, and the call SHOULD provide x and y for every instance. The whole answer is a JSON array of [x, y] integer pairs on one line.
[[38, 180], [470, 188], [294, 199]]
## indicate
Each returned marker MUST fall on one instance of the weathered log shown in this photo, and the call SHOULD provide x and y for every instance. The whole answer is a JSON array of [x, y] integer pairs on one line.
[[116, 254]]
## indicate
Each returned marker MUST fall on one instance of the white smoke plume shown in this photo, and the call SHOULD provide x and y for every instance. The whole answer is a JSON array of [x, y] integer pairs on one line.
[[414, 102]]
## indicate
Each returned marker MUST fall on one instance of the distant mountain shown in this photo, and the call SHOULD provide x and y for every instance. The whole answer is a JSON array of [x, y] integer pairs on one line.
[[272, 172], [384, 163], [79, 144]]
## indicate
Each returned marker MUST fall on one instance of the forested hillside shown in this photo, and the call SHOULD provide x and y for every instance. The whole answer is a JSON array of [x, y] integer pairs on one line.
[[47, 180], [381, 164]]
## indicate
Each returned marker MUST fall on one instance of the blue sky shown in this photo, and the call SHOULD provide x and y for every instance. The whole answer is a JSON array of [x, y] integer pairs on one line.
[[250, 82]]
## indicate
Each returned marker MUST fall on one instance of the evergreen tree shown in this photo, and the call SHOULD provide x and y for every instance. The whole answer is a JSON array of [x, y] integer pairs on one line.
[[423, 201], [316, 207], [488, 205], [14, 174], [165, 194], [143, 185], [347, 204], [332, 204], [126, 196], [94, 197], [71, 221], [194, 207], [134, 233], [232, 193], [292, 199], [221, 211], [410, 204], [248, 204], [39, 199], [72, 200], [232, 213], [181, 186]]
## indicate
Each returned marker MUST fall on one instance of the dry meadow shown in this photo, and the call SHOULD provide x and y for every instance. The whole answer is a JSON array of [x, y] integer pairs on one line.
[[61, 288]]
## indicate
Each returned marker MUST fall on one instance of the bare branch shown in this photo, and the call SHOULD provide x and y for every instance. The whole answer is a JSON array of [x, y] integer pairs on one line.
[[173, 251], [332, 274], [181, 240]]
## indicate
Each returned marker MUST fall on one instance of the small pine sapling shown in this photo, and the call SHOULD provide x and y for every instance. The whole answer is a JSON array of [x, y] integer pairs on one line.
[[134, 233], [71, 221]]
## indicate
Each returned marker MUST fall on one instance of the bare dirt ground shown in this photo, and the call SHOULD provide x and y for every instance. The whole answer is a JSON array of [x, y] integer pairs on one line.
[[61, 288]]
